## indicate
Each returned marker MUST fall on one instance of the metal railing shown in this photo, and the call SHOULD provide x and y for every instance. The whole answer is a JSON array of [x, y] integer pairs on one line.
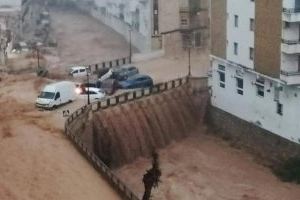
[[285, 73], [98, 164], [109, 64], [291, 10], [290, 42]]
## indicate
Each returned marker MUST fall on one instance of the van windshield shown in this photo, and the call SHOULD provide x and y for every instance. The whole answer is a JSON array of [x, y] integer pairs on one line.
[[47, 95]]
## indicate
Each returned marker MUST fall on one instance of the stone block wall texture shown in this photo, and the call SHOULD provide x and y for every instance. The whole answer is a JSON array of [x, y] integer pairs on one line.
[[271, 148]]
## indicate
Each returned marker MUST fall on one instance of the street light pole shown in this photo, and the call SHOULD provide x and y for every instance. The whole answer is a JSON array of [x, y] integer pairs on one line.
[[38, 56], [88, 83], [189, 58], [130, 46]]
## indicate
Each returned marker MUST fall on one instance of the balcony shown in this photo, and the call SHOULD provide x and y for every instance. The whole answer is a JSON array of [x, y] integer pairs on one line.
[[290, 46], [184, 9], [291, 78], [291, 14]]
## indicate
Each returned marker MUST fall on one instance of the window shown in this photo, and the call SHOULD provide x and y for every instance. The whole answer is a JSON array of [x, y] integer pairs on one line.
[[91, 92], [221, 70], [260, 90], [155, 17], [221, 67], [57, 96], [286, 25], [235, 48], [236, 21], [252, 26], [298, 63], [222, 79], [260, 86], [251, 53], [184, 21], [82, 70], [240, 85], [197, 39], [279, 108]]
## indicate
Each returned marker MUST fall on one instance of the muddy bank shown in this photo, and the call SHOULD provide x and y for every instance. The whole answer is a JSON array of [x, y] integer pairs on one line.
[[207, 168]]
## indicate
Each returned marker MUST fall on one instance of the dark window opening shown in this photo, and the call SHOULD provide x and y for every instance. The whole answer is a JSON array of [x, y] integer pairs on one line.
[[240, 85], [279, 108], [222, 79]]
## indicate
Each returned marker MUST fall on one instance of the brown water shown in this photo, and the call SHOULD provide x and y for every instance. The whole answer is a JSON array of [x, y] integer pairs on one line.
[[125, 132]]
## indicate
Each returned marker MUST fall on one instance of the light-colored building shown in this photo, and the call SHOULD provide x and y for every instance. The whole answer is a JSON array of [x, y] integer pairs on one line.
[[135, 17], [184, 24], [9, 25], [255, 62], [152, 21]]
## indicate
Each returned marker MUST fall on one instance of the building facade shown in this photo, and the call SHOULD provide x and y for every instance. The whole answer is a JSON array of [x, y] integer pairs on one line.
[[184, 24], [255, 62], [152, 21], [136, 20], [10, 26]]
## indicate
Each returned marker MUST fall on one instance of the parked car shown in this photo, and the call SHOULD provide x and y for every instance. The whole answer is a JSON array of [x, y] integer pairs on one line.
[[81, 87], [122, 73], [56, 94], [136, 81], [78, 71], [102, 71], [104, 76], [109, 86], [95, 94]]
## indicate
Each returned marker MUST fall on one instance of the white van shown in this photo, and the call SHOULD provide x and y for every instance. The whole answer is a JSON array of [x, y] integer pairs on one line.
[[78, 71], [56, 94]]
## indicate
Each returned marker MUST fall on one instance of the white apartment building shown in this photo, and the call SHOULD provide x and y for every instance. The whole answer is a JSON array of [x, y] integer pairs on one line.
[[255, 62]]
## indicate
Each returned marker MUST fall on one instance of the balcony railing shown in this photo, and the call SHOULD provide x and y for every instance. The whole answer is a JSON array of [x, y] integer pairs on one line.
[[285, 73], [184, 9], [290, 42], [291, 10], [291, 14], [290, 46], [290, 78]]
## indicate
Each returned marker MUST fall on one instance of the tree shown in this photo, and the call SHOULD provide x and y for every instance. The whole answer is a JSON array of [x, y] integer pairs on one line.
[[151, 178]]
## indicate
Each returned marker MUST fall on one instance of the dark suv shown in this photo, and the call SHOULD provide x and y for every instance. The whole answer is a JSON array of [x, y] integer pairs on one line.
[[122, 73]]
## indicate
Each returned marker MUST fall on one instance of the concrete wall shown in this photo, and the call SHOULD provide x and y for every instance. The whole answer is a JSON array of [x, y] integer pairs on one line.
[[172, 44], [218, 17], [254, 108], [169, 18], [268, 146], [16, 3], [141, 42]]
